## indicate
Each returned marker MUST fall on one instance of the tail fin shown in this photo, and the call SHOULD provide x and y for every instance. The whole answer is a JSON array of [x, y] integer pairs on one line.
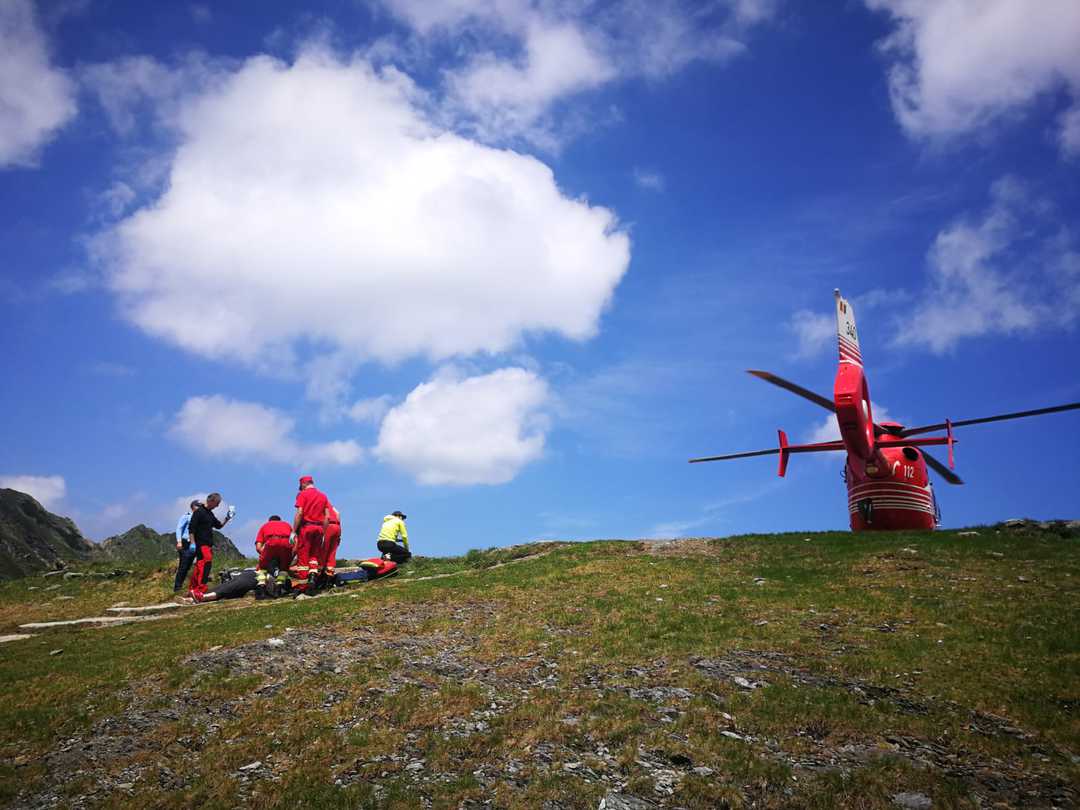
[[846, 334]]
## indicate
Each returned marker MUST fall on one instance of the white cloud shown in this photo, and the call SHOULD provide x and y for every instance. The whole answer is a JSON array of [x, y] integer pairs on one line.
[[814, 331], [116, 198], [511, 96], [957, 65], [653, 181], [48, 490], [182, 505], [36, 98], [675, 528], [319, 198], [526, 56], [137, 84], [370, 410], [828, 430], [227, 428], [468, 430], [1014, 269]]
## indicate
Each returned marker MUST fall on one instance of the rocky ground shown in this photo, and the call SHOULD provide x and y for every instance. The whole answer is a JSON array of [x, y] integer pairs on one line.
[[914, 673], [126, 750]]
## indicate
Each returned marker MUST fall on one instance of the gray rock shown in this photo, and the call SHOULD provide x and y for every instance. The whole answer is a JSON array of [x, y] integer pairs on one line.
[[275, 642], [740, 681], [702, 770], [251, 765], [623, 801], [15, 637], [912, 801]]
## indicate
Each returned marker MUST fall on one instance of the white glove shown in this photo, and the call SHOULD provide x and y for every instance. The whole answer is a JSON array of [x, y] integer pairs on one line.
[[231, 513]]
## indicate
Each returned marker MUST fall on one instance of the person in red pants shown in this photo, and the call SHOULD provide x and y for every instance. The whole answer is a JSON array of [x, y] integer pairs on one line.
[[275, 554], [201, 528], [309, 526], [331, 541]]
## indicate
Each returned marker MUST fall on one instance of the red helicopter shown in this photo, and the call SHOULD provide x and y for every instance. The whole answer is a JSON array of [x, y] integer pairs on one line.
[[886, 475]]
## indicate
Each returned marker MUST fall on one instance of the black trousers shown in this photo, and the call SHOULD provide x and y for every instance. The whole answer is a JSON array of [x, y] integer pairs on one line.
[[186, 557], [398, 553]]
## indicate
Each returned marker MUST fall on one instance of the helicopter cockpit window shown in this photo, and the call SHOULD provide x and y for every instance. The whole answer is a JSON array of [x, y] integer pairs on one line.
[[911, 454]]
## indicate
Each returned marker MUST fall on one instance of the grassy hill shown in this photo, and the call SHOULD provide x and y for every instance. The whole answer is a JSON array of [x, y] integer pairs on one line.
[[796, 670]]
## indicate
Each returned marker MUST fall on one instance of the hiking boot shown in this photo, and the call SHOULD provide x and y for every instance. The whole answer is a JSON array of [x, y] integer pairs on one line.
[[260, 593]]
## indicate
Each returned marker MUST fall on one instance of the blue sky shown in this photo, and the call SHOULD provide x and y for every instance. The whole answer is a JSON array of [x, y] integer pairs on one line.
[[502, 264]]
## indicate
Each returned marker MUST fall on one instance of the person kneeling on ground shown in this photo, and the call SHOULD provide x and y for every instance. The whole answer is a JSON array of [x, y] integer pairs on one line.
[[393, 527], [275, 552]]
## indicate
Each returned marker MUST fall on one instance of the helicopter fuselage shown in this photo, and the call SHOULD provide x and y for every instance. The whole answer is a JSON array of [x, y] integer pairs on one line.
[[890, 491]]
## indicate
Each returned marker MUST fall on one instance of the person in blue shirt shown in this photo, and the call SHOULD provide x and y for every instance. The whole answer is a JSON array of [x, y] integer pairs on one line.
[[183, 546]]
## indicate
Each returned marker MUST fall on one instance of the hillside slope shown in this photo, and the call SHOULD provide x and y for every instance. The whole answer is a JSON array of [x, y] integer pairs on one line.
[[33, 539], [141, 544], [809, 670]]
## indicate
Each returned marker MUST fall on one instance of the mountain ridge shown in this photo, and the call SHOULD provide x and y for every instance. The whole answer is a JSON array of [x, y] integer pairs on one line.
[[34, 540]]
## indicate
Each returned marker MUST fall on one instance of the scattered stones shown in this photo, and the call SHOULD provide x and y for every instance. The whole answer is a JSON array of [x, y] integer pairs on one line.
[[912, 801], [275, 642], [743, 683], [96, 621], [614, 800], [124, 609], [15, 637]]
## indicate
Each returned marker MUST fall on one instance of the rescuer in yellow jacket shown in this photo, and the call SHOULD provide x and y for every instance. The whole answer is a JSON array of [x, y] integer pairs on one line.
[[393, 528]]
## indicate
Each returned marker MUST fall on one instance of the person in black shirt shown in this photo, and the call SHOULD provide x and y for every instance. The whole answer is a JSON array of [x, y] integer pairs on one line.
[[201, 529]]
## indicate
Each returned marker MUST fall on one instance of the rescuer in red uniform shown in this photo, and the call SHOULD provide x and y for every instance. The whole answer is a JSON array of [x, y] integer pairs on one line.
[[275, 553], [309, 526], [331, 541]]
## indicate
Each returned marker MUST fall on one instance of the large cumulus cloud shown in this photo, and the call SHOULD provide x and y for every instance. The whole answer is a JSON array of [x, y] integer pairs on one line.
[[315, 204]]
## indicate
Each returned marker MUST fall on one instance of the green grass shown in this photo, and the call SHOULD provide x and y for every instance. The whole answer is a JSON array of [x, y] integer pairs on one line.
[[870, 646]]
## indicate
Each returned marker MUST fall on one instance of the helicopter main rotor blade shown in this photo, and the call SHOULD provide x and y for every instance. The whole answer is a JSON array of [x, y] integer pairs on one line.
[[941, 469], [805, 393], [817, 447], [751, 454], [982, 420]]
